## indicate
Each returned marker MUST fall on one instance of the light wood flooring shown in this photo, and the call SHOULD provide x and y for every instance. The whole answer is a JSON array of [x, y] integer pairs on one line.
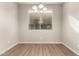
[[39, 50]]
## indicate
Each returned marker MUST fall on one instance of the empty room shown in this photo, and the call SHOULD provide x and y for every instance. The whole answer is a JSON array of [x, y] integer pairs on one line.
[[39, 28]]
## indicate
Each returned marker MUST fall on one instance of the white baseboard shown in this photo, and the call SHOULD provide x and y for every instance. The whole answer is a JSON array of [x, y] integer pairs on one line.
[[40, 43], [8, 48], [71, 49]]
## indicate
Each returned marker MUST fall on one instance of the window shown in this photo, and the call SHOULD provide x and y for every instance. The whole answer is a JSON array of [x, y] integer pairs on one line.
[[40, 21]]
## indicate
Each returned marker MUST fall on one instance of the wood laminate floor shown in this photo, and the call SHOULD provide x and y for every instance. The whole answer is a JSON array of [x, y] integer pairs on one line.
[[39, 50]]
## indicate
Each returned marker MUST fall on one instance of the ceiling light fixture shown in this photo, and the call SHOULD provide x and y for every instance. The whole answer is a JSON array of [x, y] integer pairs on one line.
[[40, 9]]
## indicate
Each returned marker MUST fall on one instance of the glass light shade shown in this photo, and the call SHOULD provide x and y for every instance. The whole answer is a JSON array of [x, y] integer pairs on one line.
[[41, 6]]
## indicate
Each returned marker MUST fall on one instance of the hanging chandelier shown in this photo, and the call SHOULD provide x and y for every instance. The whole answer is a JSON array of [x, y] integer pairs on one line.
[[39, 9]]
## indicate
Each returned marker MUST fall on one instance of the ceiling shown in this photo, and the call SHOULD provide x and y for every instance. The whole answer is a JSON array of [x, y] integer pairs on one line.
[[40, 2]]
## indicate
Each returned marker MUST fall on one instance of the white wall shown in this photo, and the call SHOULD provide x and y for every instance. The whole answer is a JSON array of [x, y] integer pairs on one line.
[[70, 35], [8, 26], [26, 35]]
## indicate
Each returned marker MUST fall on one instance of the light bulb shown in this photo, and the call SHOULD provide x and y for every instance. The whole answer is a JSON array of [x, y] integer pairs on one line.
[[41, 6]]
